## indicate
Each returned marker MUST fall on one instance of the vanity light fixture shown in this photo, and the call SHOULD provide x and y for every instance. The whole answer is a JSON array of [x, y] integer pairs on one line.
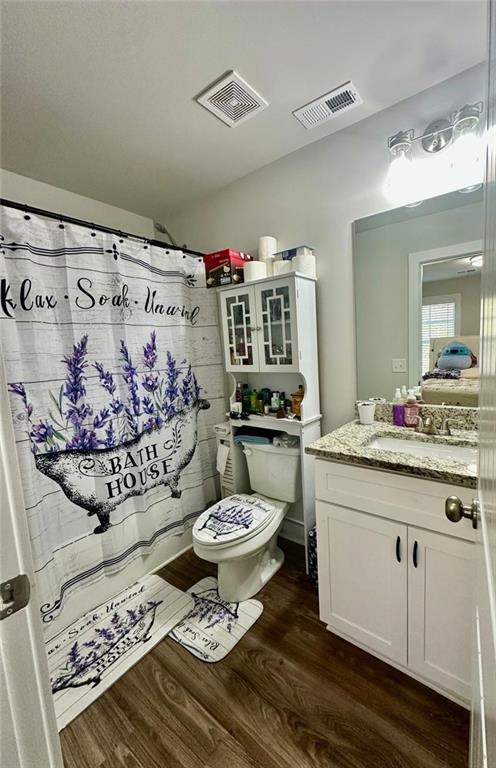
[[456, 144]]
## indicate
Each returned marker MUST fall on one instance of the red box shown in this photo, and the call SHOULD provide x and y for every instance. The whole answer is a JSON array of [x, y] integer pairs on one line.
[[225, 267]]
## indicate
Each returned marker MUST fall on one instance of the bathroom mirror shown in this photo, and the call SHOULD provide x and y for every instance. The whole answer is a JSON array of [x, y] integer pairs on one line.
[[417, 278]]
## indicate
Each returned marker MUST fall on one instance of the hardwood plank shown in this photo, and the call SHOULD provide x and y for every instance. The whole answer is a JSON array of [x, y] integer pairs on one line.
[[289, 694]]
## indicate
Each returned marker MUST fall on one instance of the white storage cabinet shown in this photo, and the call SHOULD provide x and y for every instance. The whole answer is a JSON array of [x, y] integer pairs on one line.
[[266, 323]]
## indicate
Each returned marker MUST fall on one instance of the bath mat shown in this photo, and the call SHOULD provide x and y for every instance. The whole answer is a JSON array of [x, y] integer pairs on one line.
[[213, 627], [92, 653]]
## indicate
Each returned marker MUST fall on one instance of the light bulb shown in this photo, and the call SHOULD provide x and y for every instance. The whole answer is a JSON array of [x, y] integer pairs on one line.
[[467, 160], [402, 183]]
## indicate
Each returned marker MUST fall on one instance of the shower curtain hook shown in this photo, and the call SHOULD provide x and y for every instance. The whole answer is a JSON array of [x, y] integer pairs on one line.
[[26, 215], [61, 226], [93, 233]]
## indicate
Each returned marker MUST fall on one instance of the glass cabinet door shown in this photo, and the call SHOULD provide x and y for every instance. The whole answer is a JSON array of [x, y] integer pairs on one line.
[[278, 342], [238, 310]]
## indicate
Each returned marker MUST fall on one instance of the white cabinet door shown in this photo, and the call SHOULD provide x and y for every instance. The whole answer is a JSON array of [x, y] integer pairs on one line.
[[239, 326], [363, 578], [276, 316], [440, 609]]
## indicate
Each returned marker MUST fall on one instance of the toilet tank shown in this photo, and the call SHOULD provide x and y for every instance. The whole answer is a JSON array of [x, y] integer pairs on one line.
[[274, 471]]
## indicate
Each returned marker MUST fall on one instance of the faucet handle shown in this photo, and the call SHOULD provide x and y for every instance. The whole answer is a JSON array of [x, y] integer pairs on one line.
[[420, 424]]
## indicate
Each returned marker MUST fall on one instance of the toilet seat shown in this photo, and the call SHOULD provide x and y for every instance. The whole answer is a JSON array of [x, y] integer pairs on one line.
[[234, 520]]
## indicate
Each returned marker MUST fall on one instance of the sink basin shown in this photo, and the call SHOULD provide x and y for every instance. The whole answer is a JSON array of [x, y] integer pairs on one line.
[[462, 453]]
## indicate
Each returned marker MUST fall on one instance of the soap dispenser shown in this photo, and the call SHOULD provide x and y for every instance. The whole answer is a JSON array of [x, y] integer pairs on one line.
[[398, 409], [412, 410]]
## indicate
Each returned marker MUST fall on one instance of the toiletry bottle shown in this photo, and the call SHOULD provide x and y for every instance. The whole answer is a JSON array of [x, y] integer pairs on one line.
[[412, 410], [254, 401], [404, 393], [274, 403], [238, 395], [297, 397], [245, 398], [398, 409]]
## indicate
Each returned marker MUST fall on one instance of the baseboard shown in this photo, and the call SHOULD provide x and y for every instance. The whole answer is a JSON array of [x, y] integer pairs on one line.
[[293, 530], [173, 557]]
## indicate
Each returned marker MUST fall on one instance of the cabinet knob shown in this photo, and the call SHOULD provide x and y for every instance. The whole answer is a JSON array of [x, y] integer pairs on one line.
[[456, 510]]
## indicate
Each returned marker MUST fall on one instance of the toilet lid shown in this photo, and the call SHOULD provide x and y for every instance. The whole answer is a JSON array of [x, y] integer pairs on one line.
[[235, 518]]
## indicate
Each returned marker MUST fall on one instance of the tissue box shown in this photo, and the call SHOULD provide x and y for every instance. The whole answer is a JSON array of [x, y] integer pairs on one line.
[[290, 253], [224, 267]]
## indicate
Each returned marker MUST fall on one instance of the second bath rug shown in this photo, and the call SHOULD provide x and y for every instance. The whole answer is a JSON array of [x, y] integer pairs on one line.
[[93, 652], [213, 627]]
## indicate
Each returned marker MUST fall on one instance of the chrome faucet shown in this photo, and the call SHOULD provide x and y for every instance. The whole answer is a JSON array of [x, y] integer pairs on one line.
[[445, 427], [426, 426]]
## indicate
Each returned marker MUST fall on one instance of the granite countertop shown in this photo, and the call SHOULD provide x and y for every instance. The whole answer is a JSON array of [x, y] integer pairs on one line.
[[350, 445]]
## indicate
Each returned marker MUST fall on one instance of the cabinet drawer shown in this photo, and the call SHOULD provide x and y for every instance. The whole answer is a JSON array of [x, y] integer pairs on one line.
[[408, 500]]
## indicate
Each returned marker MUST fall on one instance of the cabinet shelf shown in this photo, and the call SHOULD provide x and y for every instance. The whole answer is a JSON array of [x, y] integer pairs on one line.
[[291, 426]]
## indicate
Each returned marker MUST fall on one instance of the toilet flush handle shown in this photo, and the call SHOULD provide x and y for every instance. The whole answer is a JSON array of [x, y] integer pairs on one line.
[[247, 451]]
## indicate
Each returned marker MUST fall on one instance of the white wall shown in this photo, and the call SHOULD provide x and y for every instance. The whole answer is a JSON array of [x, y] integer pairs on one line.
[[312, 196], [24, 190], [20, 189]]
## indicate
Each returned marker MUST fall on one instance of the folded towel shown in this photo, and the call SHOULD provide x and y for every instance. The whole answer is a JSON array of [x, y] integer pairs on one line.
[[253, 439], [439, 373]]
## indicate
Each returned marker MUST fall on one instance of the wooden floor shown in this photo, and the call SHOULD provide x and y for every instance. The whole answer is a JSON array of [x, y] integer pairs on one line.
[[290, 695]]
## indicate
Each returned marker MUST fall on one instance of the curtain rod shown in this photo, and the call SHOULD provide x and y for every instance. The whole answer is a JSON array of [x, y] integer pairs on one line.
[[91, 225]]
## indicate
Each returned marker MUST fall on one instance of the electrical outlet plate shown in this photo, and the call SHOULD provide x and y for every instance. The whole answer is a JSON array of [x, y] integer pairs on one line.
[[399, 365]]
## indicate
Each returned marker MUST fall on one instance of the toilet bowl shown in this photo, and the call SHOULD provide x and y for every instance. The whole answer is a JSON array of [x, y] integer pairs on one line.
[[244, 546]]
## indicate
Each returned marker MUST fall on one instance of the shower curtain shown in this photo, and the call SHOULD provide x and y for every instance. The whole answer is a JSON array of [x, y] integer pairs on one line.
[[113, 361]]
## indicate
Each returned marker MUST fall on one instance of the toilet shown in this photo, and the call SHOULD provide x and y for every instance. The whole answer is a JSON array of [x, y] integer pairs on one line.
[[240, 533]]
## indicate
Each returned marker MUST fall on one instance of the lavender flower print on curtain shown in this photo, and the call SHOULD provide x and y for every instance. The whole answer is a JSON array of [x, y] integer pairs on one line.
[[112, 354]]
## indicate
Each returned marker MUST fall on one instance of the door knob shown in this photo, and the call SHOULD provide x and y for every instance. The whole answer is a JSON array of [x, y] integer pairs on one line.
[[455, 510]]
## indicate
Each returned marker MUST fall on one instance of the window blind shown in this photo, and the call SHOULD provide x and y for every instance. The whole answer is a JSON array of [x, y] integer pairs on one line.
[[437, 320]]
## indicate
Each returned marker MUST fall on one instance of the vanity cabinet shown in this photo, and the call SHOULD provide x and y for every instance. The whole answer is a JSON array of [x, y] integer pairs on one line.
[[265, 322], [362, 583], [440, 609], [394, 578]]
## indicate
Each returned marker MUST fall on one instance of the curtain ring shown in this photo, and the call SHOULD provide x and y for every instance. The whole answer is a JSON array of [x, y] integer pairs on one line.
[[26, 215], [61, 226], [93, 234]]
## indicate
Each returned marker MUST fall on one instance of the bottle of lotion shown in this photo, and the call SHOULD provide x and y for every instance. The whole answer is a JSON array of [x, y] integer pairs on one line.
[[412, 410]]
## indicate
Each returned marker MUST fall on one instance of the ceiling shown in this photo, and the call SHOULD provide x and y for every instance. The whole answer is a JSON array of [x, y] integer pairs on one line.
[[98, 97], [449, 269]]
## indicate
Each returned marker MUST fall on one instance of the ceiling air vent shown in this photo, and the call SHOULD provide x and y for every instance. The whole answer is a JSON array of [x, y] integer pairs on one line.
[[328, 106], [232, 100]]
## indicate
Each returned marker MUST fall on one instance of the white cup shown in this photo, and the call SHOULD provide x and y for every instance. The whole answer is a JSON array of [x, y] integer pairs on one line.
[[366, 411]]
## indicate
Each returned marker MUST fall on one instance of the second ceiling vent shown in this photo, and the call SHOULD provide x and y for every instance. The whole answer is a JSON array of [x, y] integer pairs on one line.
[[329, 105], [232, 100]]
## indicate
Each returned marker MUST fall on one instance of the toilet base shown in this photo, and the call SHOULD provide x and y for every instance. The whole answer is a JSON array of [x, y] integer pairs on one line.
[[242, 578]]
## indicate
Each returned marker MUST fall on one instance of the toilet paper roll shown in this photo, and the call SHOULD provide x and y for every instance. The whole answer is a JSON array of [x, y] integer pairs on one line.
[[222, 457], [267, 247], [255, 270], [283, 267], [305, 263], [269, 261]]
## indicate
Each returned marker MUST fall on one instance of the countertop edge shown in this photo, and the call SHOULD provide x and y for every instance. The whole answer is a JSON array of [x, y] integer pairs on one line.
[[451, 478]]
